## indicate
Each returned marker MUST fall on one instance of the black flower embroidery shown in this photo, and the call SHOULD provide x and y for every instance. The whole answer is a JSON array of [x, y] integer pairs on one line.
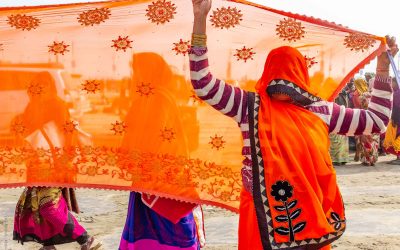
[[282, 191], [336, 221]]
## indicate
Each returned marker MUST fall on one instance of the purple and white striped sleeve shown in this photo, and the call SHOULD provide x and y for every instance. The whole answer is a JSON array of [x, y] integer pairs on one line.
[[346, 121], [230, 100]]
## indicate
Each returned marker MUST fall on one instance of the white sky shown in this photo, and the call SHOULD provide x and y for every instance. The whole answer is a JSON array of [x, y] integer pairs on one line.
[[377, 17]]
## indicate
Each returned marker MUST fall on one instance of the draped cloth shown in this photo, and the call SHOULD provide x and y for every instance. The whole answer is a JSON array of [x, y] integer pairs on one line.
[[295, 185], [99, 119]]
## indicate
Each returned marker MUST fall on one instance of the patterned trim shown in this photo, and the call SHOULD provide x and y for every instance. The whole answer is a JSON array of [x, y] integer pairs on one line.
[[297, 94], [263, 212]]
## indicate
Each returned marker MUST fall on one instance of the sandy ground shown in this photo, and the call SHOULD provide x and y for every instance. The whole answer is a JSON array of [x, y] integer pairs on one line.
[[371, 194]]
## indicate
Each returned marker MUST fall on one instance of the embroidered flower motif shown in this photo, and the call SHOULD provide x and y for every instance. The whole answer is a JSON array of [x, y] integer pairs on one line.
[[35, 89], [23, 22], [58, 48], [167, 134], [91, 86], [92, 17], [17, 159], [358, 41], [217, 142], [144, 89], [70, 127], [122, 43], [161, 11], [282, 191], [17, 127], [225, 196], [111, 160], [244, 54], [290, 30], [336, 221], [310, 61], [91, 171], [118, 127], [2, 170], [182, 47], [226, 17]]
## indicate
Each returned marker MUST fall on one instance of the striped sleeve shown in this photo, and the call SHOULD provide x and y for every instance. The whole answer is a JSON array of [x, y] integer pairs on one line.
[[346, 121], [229, 100]]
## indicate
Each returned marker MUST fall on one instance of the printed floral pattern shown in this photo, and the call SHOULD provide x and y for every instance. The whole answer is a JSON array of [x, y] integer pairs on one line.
[[118, 127], [122, 43], [161, 11], [145, 89], [91, 86], [58, 48], [23, 22], [217, 142], [95, 16], [226, 17], [244, 54], [182, 47], [289, 29], [359, 42], [167, 134]]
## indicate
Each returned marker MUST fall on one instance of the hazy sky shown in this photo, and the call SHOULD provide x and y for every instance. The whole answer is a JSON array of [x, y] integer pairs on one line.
[[371, 16]]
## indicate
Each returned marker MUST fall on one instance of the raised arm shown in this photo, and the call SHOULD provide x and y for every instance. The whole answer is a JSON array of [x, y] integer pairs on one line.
[[349, 122], [230, 100]]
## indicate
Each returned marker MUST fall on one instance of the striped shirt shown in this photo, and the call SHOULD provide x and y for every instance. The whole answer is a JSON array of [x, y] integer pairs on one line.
[[232, 101]]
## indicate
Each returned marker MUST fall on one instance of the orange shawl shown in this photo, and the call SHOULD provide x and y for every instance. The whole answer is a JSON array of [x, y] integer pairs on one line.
[[304, 201]]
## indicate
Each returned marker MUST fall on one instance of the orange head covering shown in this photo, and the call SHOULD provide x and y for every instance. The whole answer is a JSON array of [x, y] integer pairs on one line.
[[294, 145], [285, 63]]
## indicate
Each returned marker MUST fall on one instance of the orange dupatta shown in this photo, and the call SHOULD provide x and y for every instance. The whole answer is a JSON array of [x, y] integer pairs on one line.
[[304, 202]]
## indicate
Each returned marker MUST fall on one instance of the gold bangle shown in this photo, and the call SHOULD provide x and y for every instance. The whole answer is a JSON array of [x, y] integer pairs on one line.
[[202, 36]]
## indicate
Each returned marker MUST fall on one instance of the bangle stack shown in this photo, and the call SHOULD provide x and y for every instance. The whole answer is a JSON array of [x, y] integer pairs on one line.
[[199, 40]]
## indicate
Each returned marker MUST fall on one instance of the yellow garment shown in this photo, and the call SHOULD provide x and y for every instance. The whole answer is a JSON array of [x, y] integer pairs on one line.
[[361, 85], [391, 141]]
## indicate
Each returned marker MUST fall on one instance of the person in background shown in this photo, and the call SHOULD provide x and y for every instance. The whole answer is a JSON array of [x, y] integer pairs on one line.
[[339, 148], [392, 138]]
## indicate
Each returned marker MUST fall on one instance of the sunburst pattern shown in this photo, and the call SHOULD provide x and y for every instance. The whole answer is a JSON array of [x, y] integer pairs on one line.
[[118, 127], [95, 16], [289, 29], [244, 54], [35, 89], [359, 42], [91, 86], [167, 134], [70, 127], [217, 142], [144, 89], [122, 43], [161, 11], [23, 22], [310, 61], [18, 128], [58, 48], [182, 47], [226, 17]]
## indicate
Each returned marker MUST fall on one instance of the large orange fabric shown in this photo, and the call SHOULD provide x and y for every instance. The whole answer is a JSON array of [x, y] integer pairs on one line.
[[301, 157], [97, 95]]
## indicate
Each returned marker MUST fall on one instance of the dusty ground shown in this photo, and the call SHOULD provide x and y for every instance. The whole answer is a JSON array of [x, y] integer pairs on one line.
[[371, 194]]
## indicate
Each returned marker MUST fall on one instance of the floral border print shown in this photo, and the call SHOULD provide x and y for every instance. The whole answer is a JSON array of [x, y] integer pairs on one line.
[[282, 191]]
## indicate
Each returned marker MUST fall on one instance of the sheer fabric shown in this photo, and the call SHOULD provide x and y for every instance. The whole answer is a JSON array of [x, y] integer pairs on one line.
[[97, 95]]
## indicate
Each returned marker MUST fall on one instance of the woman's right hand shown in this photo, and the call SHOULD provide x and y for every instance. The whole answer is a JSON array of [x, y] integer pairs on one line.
[[201, 8]]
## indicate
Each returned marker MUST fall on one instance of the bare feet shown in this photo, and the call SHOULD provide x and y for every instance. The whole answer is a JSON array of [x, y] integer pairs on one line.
[[89, 243]]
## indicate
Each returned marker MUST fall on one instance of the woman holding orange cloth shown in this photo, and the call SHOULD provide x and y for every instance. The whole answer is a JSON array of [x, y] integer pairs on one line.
[[290, 198]]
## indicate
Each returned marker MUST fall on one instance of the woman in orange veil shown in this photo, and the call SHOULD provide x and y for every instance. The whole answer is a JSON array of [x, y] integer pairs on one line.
[[154, 222], [42, 213], [290, 198]]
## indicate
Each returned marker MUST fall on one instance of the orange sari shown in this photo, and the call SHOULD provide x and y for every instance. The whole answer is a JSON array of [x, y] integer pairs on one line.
[[296, 198]]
